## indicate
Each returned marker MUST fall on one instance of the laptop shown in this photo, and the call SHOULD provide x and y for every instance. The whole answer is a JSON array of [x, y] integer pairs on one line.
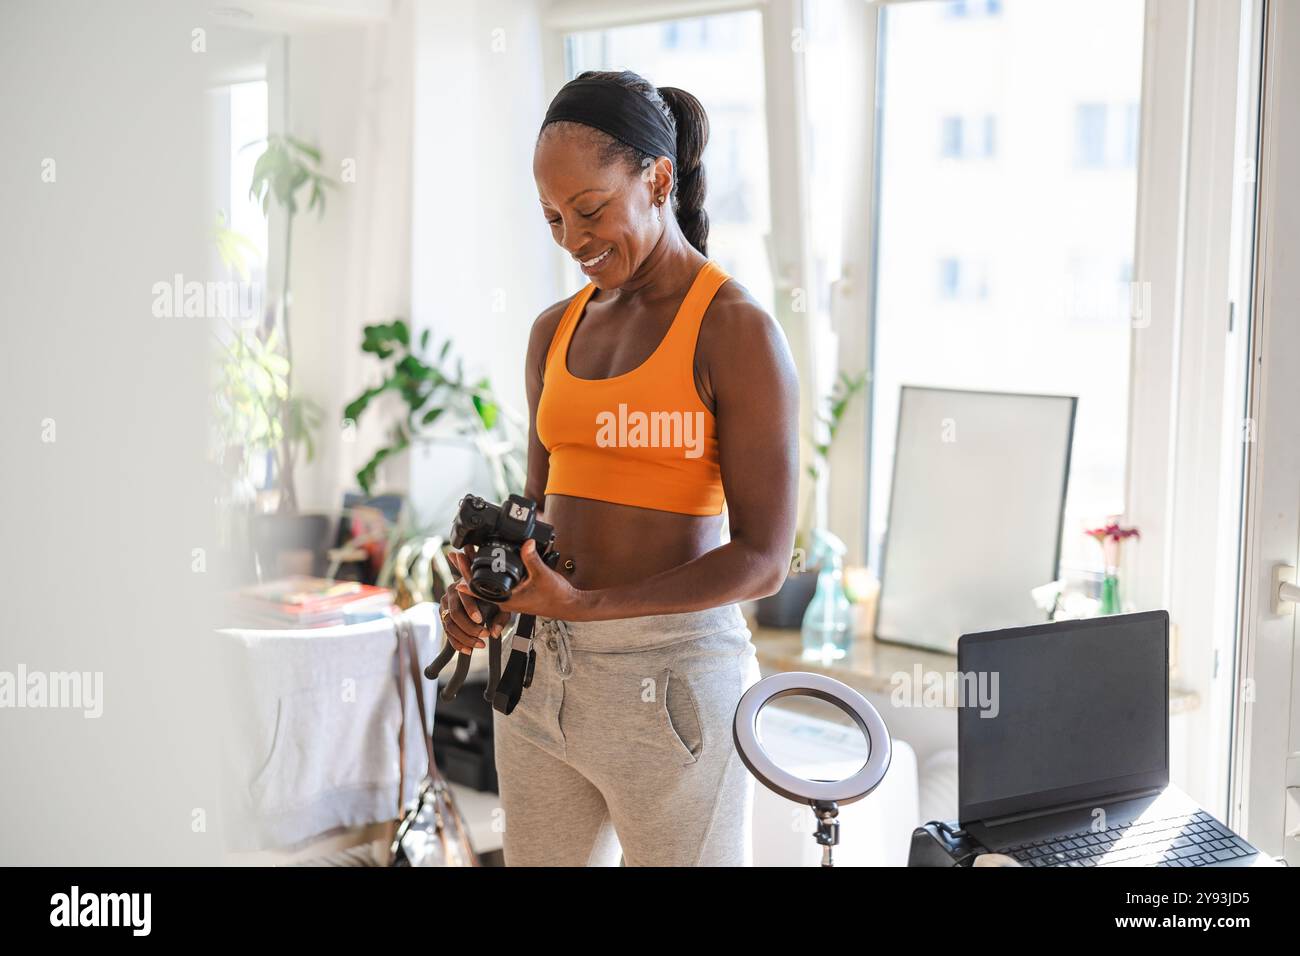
[[1063, 749]]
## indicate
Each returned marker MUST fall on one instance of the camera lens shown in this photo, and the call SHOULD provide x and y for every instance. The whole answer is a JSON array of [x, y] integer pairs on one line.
[[487, 586], [495, 570]]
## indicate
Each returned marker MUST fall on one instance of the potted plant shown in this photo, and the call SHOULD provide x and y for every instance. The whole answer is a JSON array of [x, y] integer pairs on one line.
[[286, 167], [252, 408], [785, 608], [259, 412], [439, 403]]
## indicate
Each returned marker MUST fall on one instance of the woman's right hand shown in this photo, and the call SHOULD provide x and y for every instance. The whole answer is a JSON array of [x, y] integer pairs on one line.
[[461, 620]]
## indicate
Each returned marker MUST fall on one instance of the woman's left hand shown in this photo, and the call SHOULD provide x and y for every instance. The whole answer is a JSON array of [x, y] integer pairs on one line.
[[544, 592]]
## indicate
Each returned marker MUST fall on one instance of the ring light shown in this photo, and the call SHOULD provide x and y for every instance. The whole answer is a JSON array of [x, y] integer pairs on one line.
[[824, 796]]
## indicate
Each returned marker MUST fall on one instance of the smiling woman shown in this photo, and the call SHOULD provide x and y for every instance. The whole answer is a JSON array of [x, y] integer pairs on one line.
[[640, 758]]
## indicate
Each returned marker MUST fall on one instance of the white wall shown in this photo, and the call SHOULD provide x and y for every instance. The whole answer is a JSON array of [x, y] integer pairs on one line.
[[483, 262], [112, 556], [350, 95]]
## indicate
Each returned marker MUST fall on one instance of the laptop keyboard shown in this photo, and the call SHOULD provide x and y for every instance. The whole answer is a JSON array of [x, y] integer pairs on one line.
[[1193, 839]]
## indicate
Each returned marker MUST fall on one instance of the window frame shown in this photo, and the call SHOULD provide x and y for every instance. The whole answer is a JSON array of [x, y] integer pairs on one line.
[[1266, 768]]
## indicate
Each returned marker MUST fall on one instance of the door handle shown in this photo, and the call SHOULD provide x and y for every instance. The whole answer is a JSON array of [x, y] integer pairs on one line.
[[1286, 593]]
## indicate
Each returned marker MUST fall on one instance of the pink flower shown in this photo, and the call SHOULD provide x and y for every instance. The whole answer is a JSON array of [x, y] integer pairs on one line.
[[1109, 537], [1113, 531]]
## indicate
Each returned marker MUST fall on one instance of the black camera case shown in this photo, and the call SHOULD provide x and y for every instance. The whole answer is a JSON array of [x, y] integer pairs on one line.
[[943, 844]]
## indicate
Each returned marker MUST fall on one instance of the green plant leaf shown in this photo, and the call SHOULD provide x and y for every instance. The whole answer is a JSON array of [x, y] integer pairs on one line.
[[379, 339], [262, 381], [433, 394], [411, 366], [302, 147], [487, 411], [366, 476], [261, 173], [234, 248], [277, 364], [358, 405]]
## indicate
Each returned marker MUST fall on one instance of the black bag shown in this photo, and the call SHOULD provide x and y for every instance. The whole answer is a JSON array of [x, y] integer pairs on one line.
[[432, 832]]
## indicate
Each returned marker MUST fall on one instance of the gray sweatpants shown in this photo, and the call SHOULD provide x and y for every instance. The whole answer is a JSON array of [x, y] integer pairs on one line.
[[623, 744]]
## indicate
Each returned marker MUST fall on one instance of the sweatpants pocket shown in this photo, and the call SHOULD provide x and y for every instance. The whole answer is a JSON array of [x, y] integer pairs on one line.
[[681, 717]]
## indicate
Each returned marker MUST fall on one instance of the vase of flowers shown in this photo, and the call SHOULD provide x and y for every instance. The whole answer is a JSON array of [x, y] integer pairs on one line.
[[1111, 538]]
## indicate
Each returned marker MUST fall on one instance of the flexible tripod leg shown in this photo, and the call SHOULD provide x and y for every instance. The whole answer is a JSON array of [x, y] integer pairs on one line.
[[441, 661], [488, 612], [458, 676]]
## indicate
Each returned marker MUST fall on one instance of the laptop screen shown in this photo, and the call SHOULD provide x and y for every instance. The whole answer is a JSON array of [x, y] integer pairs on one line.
[[1067, 712]]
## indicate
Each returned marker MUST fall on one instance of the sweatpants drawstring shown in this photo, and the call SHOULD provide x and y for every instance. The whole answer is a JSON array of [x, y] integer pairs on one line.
[[557, 640]]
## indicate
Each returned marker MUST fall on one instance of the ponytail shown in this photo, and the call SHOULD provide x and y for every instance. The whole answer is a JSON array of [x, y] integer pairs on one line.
[[689, 184]]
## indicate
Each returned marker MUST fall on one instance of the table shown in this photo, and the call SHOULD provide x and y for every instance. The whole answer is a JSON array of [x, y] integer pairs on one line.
[[871, 666], [310, 743]]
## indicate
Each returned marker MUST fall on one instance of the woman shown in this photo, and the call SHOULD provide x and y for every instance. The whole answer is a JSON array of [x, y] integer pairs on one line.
[[656, 391]]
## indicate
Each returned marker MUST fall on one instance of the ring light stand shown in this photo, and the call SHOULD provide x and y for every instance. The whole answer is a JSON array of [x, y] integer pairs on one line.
[[824, 796]]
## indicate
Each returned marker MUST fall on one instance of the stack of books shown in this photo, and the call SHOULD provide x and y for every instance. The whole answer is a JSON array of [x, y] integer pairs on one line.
[[309, 602]]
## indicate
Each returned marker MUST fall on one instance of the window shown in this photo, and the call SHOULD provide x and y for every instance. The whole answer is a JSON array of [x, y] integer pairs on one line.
[[832, 163], [248, 129], [1132, 117], [242, 111], [1105, 135], [967, 137], [949, 278], [950, 138], [958, 9], [962, 280], [1090, 135], [703, 33], [729, 83], [1021, 263]]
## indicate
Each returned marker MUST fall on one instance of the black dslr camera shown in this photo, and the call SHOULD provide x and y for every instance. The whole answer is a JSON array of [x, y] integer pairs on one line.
[[497, 533]]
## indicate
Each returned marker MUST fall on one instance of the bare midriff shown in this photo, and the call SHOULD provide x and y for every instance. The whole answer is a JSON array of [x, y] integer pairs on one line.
[[612, 544]]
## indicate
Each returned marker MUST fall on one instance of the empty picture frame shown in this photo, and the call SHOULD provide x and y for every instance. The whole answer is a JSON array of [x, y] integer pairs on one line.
[[976, 507]]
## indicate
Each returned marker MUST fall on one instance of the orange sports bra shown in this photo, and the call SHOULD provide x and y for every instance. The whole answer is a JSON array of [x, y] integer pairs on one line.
[[642, 438]]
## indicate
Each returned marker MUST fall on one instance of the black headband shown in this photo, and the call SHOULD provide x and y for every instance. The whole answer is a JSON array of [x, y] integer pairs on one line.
[[622, 113]]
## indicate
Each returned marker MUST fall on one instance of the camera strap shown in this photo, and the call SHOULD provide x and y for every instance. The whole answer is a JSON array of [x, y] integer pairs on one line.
[[519, 668]]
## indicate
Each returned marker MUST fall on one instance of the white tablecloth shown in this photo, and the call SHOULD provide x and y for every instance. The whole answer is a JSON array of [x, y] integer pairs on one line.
[[311, 743]]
